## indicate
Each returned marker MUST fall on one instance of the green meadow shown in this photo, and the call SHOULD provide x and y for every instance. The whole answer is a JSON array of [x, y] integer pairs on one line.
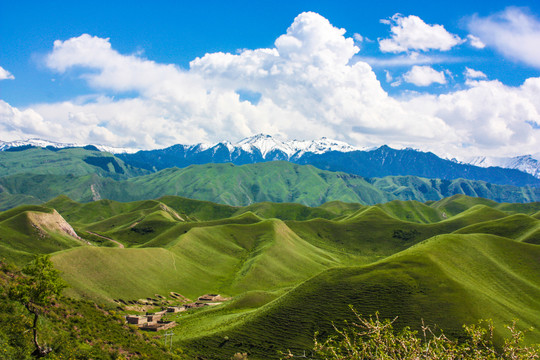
[[291, 270]]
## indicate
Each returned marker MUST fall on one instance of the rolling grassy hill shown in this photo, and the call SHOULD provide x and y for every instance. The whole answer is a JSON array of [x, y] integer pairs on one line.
[[447, 280], [74, 161], [226, 259], [277, 181], [292, 269], [34, 229]]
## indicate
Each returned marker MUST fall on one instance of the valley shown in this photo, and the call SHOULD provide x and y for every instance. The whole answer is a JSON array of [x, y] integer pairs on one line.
[[291, 270]]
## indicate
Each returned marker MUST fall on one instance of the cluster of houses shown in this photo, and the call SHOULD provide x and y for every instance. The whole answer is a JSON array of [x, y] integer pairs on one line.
[[154, 322], [150, 321]]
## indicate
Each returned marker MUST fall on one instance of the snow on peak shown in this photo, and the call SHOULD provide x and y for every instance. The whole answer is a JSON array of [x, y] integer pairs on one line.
[[526, 163], [115, 150], [324, 144], [4, 145], [266, 144]]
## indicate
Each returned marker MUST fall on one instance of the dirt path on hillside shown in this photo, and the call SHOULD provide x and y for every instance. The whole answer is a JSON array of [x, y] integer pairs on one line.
[[120, 245]]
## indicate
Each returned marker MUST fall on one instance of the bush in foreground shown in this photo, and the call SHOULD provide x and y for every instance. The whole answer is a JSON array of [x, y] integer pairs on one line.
[[371, 338]]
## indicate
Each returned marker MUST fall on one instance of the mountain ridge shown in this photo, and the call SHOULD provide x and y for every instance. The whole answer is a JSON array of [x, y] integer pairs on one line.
[[262, 147]]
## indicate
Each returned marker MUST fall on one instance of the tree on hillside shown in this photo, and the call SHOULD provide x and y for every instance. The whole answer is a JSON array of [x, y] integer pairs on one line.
[[36, 289]]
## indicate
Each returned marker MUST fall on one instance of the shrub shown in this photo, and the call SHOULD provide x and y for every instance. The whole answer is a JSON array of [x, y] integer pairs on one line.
[[371, 338]]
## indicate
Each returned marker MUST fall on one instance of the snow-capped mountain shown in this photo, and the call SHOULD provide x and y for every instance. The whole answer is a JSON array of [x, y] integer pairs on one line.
[[267, 144], [526, 163], [5, 145], [328, 155], [325, 154], [260, 144]]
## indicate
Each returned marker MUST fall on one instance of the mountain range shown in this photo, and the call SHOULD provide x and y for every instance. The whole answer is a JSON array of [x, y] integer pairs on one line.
[[324, 153], [36, 175]]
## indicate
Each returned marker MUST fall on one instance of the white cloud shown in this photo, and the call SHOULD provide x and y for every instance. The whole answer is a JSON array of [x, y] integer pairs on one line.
[[357, 37], [513, 32], [424, 76], [5, 75], [475, 42], [488, 118], [474, 74], [408, 59], [412, 33], [16, 124], [310, 85]]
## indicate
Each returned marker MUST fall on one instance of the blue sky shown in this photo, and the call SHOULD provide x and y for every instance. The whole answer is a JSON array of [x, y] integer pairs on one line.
[[129, 82]]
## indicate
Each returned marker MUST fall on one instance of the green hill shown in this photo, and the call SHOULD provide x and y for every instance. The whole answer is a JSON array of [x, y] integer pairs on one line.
[[33, 229], [233, 254], [412, 211], [226, 259], [447, 280], [519, 227], [292, 269], [277, 181], [72, 161]]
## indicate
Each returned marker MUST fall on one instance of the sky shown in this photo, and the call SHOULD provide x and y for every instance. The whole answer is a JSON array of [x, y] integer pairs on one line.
[[460, 80]]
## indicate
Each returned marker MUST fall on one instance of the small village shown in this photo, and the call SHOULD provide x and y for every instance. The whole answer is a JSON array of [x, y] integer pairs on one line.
[[153, 321]]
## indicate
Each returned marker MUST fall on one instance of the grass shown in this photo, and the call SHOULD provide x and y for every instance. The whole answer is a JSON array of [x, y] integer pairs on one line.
[[520, 227], [227, 259], [74, 161], [278, 181], [33, 229], [293, 269], [447, 280]]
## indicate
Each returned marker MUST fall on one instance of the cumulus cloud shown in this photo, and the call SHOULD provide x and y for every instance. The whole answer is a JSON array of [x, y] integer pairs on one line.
[[514, 33], [412, 33], [474, 74], [5, 75], [308, 85], [21, 124], [489, 115], [475, 42], [424, 76]]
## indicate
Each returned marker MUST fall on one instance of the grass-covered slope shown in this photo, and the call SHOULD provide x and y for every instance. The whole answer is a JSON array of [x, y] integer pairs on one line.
[[226, 259], [447, 280], [74, 161], [281, 181], [278, 181], [233, 254], [519, 227], [293, 269], [34, 229]]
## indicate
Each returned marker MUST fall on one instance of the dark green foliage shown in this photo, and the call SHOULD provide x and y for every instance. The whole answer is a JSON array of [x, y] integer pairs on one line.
[[105, 163], [39, 284], [73, 329], [37, 289], [371, 339], [405, 235], [278, 181]]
